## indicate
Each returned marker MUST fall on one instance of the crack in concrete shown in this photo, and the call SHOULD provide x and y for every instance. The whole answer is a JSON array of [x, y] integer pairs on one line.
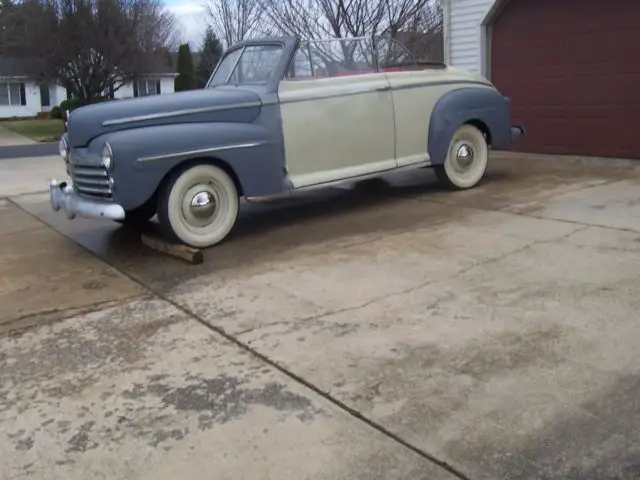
[[22, 230], [9, 197], [428, 282], [525, 215], [14, 327]]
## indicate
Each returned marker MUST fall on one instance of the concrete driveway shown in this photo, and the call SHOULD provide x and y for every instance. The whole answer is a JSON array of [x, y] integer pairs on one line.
[[390, 331]]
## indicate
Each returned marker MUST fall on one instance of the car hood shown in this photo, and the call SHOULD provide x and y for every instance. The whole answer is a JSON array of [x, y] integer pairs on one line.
[[205, 105]]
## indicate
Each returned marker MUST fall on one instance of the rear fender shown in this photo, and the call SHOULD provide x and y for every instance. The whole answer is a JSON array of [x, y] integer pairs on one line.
[[468, 105]]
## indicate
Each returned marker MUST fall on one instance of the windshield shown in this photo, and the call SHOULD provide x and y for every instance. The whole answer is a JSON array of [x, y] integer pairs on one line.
[[254, 64]]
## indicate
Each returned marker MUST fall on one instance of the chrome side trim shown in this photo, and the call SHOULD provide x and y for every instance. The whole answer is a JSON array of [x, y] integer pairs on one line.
[[303, 95], [178, 113], [200, 151], [332, 91], [443, 82], [62, 196]]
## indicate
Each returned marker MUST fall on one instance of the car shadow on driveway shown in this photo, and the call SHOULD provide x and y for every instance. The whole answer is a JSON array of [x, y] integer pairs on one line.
[[304, 224]]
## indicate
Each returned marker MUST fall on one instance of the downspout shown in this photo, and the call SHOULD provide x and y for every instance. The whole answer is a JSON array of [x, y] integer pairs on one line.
[[446, 30]]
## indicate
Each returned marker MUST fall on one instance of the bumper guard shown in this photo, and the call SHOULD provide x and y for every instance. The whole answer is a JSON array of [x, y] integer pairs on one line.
[[63, 197], [517, 131]]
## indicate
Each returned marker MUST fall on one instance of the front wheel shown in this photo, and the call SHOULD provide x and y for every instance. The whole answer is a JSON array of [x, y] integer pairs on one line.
[[198, 206], [466, 161]]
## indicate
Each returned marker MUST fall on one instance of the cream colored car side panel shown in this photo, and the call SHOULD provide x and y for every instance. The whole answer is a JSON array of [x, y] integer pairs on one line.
[[337, 128], [415, 94]]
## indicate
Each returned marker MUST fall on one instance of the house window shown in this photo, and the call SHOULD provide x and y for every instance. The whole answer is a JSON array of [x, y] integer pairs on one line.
[[143, 88], [12, 94]]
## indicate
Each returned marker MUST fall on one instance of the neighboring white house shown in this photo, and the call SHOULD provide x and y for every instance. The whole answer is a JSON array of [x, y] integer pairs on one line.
[[570, 68], [21, 97]]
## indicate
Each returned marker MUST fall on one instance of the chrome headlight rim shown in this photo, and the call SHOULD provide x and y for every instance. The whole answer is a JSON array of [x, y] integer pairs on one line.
[[63, 149], [107, 156]]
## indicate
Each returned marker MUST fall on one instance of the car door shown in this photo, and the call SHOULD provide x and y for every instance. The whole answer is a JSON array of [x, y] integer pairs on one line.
[[337, 124], [416, 89]]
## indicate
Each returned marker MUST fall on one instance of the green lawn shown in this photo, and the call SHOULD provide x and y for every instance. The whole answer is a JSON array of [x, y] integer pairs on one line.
[[36, 129]]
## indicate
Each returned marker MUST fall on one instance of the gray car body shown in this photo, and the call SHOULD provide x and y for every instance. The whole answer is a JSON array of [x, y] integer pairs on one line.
[[237, 127]]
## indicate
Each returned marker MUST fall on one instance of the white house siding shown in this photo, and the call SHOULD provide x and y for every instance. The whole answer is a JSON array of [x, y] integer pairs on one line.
[[57, 94], [31, 109], [167, 85], [465, 33], [126, 91]]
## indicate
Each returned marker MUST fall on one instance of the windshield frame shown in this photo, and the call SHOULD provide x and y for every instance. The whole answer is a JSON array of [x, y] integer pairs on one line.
[[287, 45]]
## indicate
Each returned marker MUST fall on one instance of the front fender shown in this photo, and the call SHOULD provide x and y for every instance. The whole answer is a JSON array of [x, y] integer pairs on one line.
[[144, 156], [483, 104]]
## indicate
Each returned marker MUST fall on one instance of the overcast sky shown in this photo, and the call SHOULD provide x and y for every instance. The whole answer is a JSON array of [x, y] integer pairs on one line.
[[192, 20]]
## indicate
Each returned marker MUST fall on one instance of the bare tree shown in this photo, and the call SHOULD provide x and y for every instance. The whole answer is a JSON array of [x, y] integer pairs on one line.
[[235, 20], [423, 33], [342, 18], [91, 47], [416, 23], [10, 24]]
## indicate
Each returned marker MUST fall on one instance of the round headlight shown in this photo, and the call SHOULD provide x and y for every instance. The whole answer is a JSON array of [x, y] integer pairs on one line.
[[63, 149], [107, 156]]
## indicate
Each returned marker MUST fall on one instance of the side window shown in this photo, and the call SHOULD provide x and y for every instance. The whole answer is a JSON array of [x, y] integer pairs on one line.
[[256, 64], [224, 69], [335, 58], [392, 55], [300, 67]]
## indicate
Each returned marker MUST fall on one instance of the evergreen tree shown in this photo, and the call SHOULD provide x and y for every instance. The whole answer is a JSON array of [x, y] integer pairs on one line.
[[211, 53], [186, 79]]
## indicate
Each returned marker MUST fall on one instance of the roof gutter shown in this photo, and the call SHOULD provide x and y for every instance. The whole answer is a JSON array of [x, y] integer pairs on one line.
[[13, 77]]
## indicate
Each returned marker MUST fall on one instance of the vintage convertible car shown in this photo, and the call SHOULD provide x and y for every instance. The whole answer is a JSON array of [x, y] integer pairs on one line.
[[277, 115]]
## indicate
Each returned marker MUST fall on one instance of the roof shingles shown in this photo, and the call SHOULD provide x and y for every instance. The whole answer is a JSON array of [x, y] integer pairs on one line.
[[12, 67], [17, 67]]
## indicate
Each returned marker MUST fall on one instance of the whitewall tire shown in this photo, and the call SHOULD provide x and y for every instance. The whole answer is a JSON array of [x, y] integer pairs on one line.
[[198, 206], [466, 161]]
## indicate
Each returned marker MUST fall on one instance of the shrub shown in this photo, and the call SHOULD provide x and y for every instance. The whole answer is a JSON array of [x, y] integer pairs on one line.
[[69, 104], [56, 112]]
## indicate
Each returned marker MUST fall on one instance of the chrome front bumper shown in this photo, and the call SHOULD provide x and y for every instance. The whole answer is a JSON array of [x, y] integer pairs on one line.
[[62, 196]]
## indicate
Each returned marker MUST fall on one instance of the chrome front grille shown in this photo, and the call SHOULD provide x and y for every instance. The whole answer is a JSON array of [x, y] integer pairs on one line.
[[91, 181]]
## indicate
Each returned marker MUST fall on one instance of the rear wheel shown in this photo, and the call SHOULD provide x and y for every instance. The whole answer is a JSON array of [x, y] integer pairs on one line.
[[198, 206], [466, 161]]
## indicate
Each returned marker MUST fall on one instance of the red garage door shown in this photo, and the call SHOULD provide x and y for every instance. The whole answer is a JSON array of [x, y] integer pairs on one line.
[[572, 70]]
